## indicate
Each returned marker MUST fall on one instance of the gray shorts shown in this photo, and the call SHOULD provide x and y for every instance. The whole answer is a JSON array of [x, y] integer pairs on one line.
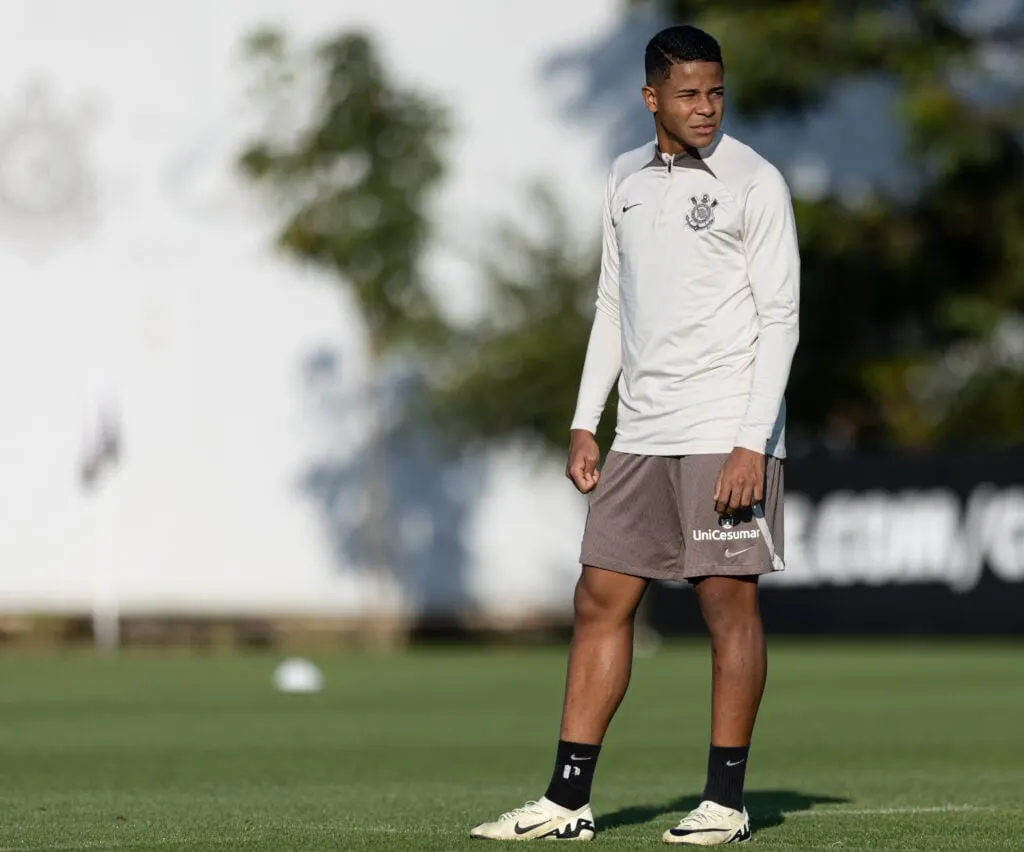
[[654, 516]]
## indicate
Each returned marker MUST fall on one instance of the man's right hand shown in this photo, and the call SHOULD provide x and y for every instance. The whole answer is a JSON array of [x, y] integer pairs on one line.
[[583, 457]]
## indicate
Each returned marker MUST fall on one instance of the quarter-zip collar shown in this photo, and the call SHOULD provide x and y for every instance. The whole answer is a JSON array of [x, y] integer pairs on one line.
[[692, 159]]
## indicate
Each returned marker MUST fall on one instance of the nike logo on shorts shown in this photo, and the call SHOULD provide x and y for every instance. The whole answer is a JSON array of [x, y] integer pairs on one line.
[[729, 554]]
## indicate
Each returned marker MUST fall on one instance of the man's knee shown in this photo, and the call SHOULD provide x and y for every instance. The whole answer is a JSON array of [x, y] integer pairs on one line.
[[606, 596], [729, 604]]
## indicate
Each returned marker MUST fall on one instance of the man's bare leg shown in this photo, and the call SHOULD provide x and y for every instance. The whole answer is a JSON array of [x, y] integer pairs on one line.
[[600, 662], [739, 670], [601, 654], [599, 666]]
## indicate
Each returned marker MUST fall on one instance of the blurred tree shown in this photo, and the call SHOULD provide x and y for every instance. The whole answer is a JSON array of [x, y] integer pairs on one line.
[[354, 175], [351, 158], [911, 318], [514, 374]]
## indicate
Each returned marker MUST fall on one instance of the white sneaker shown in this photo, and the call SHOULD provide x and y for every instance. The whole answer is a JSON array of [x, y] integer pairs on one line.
[[710, 824], [540, 820]]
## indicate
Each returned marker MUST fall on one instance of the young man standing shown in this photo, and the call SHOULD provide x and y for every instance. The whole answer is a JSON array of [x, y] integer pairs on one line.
[[697, 319]]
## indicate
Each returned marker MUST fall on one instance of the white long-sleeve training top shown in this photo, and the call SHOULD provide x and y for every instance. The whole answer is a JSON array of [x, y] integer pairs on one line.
[[697, 304]]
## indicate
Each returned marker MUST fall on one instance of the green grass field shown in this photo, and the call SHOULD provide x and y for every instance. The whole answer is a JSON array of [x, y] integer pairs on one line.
[[859, 747]]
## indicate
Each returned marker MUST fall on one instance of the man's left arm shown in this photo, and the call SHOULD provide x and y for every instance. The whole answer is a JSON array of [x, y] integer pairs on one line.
[[773, 269]]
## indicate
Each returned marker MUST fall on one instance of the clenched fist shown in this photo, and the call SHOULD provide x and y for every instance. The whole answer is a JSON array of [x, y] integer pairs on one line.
[[584, 455]]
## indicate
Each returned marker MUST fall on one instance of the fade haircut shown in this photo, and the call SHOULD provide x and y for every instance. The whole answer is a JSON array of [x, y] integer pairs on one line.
[[675, 45]]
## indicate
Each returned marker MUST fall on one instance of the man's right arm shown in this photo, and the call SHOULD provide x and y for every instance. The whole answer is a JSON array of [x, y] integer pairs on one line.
[[603, 361]]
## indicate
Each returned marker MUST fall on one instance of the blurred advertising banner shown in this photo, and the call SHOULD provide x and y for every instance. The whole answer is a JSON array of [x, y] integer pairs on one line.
[[919, 544]]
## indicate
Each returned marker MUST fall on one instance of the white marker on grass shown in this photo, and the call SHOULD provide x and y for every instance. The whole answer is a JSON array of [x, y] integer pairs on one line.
[[298, 675]]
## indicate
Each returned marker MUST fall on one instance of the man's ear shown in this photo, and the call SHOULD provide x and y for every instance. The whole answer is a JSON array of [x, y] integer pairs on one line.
[[650, 98]]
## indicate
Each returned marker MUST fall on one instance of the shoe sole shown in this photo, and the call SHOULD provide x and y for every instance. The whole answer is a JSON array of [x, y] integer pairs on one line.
[[743, 837], [562, 832]]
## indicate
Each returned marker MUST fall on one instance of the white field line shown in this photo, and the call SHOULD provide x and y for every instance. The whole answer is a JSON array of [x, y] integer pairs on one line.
[[908, 810]]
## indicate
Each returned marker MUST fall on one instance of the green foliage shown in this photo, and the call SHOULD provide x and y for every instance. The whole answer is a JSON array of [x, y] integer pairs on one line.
[[354, 178], [515, 373]]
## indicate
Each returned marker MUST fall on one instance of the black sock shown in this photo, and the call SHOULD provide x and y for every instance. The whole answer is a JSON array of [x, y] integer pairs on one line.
[[727, 769], [574, 774]]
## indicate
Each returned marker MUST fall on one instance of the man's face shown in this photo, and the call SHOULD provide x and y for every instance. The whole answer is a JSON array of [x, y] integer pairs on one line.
[[689, 104]]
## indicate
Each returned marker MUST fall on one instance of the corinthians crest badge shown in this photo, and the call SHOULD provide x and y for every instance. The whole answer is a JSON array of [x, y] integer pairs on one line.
[[702, 214]]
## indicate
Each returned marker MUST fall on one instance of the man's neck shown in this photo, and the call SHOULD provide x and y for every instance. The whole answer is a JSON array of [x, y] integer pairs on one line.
[[672, 146]]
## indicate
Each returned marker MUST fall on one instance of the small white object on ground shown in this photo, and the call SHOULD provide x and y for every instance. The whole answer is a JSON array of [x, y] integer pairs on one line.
[[298, 675]]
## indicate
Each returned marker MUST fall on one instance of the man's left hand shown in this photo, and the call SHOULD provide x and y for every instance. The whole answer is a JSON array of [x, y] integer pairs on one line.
[[740, 483]]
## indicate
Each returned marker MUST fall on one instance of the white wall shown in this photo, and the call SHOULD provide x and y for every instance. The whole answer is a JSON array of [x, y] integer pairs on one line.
[[155, 274]]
